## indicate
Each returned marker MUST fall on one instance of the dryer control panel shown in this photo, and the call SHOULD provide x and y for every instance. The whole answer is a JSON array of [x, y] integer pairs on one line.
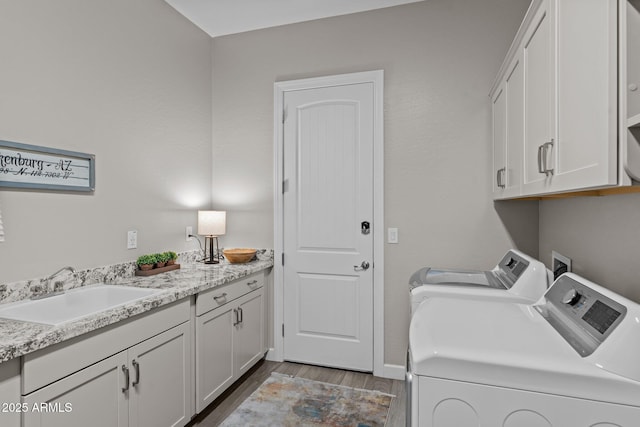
[[583, 316]]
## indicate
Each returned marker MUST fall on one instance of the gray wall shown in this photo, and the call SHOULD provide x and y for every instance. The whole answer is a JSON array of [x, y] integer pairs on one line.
[[129, 81], [440, 58], [600, 234]]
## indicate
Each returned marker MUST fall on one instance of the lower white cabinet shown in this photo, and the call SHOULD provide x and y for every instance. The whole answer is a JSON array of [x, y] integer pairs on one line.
[[229, 336], [93, 396], [160, 374], [10, 409], [147, 383]]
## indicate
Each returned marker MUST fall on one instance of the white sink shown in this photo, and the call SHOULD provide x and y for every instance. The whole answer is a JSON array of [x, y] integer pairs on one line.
[[74, 304]]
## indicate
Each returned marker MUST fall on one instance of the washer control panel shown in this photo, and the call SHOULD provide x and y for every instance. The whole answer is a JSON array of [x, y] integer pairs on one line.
[[511, 267], [583, 316]]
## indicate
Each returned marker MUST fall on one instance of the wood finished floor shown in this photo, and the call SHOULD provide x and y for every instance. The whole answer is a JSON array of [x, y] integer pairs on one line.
[[215, 413]]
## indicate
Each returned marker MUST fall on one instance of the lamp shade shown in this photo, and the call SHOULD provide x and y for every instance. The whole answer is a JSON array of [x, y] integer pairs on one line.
[[212, 223]]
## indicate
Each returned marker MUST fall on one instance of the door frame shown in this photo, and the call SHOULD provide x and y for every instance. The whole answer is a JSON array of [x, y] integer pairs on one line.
[[280, 88]]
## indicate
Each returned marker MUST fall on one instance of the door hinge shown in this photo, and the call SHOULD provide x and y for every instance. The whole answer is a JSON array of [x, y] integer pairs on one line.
[[284, 114], [285, 186], [283, 329], [283, 258]]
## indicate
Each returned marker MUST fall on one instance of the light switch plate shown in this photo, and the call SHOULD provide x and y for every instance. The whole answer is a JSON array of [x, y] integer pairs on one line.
[[188, 232], [392, 235], [132, 239]]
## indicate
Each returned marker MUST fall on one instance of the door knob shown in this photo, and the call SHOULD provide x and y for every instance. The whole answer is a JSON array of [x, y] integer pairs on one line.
[[362, 267]]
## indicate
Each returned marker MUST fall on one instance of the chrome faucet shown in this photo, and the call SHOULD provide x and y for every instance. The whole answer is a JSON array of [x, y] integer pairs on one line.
[[50, 290], [71, 269]]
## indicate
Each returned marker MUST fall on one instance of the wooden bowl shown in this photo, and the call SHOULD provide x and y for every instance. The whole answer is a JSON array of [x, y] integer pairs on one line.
[[239, 256]]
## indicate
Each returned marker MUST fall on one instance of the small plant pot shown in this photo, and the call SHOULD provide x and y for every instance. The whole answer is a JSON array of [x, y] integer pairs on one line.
[[145, 267], [160, 264], [171, 262]]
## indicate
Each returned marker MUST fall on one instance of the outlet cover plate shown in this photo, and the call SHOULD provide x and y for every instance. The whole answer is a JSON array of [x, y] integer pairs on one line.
[[559, 264], [132, 239]]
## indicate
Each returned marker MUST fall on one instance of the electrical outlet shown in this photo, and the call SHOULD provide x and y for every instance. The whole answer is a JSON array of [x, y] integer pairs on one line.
[[132, 239], [188, 232], [559, 264], [392, 235]]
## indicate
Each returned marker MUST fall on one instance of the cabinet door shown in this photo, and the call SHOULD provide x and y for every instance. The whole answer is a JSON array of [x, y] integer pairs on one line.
[[160, 393], [92, 397], [514, 87], [585, 154], [499, 110], [249, 331], [540, 110], [214, 354], [10, 393]]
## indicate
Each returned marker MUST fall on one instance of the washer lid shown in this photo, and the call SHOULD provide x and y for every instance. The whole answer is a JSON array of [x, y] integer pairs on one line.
[[432, 276], [508, 345]]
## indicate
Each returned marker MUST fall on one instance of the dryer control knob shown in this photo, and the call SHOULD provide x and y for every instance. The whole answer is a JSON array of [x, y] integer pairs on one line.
[[571, 297]]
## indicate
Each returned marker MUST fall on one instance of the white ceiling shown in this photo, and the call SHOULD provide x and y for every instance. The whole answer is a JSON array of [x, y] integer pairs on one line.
[[220, 17]]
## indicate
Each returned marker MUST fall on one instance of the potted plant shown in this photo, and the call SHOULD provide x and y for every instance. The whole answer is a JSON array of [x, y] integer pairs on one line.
[[146, 262], [161, 259], [172, 257]]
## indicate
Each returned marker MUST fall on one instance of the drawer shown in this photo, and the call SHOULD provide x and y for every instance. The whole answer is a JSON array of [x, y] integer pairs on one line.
[[219, 296]]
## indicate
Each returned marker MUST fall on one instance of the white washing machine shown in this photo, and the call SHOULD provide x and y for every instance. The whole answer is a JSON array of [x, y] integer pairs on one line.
[[570, 360], [517, 277]]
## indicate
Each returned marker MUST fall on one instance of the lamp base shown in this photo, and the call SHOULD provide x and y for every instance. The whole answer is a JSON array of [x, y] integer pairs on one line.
[[211, 256]]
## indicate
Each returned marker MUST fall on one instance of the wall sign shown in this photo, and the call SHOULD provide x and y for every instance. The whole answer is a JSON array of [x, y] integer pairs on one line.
[[30, 166]]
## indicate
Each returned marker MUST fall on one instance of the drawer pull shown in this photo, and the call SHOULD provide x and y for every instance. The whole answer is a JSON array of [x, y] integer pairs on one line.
[[220, 297], [252, 283], [126, 378]]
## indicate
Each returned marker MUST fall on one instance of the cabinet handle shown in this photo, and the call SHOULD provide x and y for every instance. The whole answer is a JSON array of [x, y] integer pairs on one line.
[[235, 312], [136, 365], [545, 149], [241, 314], [500, 177], [221, 297], [126, 378], [540, 168], [252, 283]]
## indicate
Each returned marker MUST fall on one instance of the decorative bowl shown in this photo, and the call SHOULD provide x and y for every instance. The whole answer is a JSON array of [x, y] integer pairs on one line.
[[239, 255]]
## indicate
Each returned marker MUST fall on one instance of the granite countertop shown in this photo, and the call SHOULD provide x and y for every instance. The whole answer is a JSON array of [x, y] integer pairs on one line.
[[19, 338]]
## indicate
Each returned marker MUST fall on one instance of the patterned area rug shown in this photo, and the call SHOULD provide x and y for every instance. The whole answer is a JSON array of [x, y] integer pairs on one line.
[[283, 401]]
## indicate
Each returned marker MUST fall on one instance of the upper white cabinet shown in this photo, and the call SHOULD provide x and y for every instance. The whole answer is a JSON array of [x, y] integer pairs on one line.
[[630, 85], [557, 119], [508, 132]]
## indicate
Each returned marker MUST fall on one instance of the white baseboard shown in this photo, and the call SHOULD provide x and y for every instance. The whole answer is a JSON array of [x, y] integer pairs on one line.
[[394, 372], [272, 356]]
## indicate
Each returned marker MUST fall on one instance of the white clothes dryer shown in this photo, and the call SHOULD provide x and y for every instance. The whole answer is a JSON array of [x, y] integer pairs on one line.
[[570, 360], [517, 277]]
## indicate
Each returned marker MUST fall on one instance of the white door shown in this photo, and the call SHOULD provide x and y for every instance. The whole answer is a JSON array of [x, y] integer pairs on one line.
[[328, 170]]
